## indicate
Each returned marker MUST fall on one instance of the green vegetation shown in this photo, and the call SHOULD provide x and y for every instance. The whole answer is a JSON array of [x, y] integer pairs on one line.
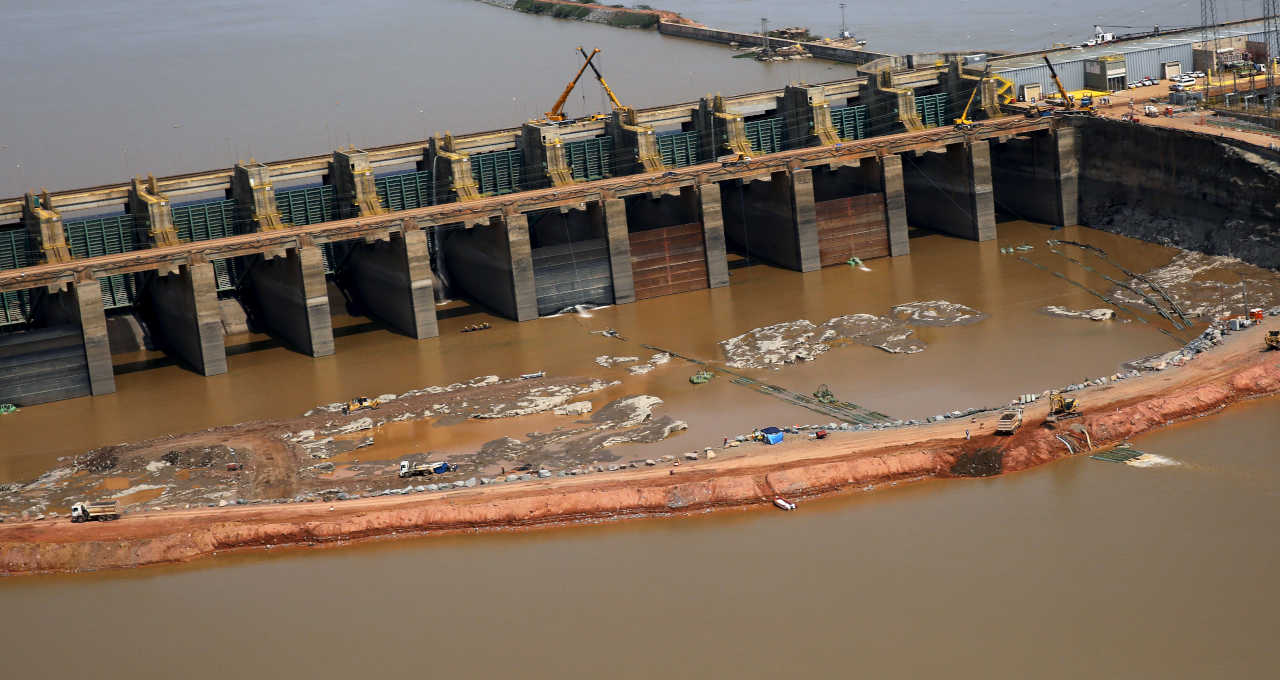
[[556, 10], [621, 18], [629, 20]]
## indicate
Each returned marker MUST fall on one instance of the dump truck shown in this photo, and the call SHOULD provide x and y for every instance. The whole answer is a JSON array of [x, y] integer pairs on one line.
[[408, 469], [102, 511], [1009, 422], [1061, 408], [1273, 339]]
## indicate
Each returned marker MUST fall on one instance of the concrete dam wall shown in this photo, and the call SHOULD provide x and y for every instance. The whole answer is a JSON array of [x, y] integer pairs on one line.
[[1185, 189]]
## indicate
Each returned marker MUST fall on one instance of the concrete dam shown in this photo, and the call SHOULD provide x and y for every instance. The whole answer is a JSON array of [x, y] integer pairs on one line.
[[524, 222]]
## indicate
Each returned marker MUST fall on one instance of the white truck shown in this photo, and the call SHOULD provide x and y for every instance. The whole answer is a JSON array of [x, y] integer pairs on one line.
[[1009, 422], [101, 511]]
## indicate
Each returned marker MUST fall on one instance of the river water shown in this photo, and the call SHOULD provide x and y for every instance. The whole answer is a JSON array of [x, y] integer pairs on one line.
[[1080, 566]]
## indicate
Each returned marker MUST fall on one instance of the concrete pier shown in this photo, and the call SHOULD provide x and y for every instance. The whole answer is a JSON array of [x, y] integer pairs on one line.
[[774, 219], [185, 319], [44, 229], [450, 170], [255, 197], [152, 215], [79, 305], [895, 204], [493, 265], [352, 179], [712, 214], [291, 298], [951, 191], [1037, 177], [611, 215], [391, 279]]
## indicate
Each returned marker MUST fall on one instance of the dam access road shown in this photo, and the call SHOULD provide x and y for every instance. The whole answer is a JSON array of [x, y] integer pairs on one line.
[[1238, 369]]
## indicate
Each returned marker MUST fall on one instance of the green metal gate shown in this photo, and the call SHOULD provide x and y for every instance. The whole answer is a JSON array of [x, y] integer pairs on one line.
[[96, 236], [205, 220], [405, 190], [15, 306], [497, 172], [679, 149], [307, 205], [765, 135], [209, 220], [590, 159], [310, 205], [934, 109], [850, 121]]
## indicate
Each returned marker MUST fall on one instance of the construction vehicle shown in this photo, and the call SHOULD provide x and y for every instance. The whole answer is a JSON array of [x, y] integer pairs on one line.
[[101, 511], [408, 469], [1085, 105], [556, 114], [360, 404], [824, 395], [701, 377], [1061, 408], [1002, 94], [1150, 111], [613, 98], [1273, 339], [1009, 422]]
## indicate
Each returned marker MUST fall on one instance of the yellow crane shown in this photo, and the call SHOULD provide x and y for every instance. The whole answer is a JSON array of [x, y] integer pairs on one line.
[[1002, 94], [1086, 103], [613, 98], [556, 113]]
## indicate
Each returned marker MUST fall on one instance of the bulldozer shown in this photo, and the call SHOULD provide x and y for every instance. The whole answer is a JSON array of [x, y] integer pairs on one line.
[[1273, 339], [1061, 408], [360, 404]]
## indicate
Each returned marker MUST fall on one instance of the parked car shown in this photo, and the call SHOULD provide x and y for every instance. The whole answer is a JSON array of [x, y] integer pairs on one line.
[[1177, 87]]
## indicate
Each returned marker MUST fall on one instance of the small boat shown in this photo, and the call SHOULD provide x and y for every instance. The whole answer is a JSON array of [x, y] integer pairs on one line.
[[784, 504], [701, 377], [476, 327], [531, 376], [7, 409]]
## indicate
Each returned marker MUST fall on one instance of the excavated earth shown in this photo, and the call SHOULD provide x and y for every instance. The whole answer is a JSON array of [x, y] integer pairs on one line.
[[1236, 370]]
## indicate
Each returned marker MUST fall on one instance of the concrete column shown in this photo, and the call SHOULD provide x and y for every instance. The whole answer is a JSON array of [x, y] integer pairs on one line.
[[713, 234], [951, 192], [351, 176], [895, 204], [635, 147], [391, 278], [806, 220], [293, 300], [44, 229], [80, 304], [520, 251], [1068, 167], [612, 212], [186, 320], [255, 197], [450, 171], [806, 116], [152, 216], [719, 132], [544, 158]]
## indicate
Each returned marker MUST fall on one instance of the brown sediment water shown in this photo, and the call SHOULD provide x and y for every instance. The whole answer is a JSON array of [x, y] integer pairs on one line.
[[1015, 350], [1076, 567]]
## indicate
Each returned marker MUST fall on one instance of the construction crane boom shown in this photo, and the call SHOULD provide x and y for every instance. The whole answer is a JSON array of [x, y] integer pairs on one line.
[[613, 99], [1062, 90], [556, 114]]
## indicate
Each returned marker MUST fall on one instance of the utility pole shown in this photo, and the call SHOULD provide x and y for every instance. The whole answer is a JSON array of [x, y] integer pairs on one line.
[[1209, 38], [764, 32], [844, 28]]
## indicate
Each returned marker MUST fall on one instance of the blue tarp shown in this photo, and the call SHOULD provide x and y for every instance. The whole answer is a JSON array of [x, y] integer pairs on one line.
[[773, 437], [771, 430]]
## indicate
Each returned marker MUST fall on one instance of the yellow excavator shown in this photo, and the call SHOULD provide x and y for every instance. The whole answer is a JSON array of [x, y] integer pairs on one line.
[[556, 114], [1002, 94], [1061, 408]]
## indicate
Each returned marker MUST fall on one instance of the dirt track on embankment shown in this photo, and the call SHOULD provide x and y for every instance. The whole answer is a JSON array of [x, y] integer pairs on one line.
[[1237, 370]]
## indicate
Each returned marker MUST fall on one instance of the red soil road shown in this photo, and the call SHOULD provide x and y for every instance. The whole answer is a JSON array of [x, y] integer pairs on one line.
[[1239, 369]]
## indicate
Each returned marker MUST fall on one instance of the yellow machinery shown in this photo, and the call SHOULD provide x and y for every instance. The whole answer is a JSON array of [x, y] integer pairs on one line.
[[1273, 340], [1002, 94], [1061, 408], [613, 99], [360, 404], [1068, 102], [556, 113]]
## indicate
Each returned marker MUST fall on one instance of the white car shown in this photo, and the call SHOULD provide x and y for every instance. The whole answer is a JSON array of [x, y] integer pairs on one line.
[[1185, 79]]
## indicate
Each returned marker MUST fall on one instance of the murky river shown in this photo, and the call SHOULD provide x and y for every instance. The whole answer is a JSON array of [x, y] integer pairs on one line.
[[1017, 349], [1079, 568]]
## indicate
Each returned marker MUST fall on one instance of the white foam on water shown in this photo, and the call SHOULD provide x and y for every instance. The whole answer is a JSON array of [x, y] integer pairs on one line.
[[1149, 460]]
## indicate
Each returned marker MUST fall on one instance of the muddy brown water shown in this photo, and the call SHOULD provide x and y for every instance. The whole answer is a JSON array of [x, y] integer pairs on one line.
[[1016, 350], [1078, 568]]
